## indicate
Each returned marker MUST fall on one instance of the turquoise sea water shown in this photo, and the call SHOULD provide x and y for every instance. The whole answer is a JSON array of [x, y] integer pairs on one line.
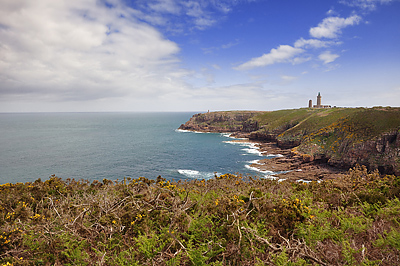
[[113, 146]]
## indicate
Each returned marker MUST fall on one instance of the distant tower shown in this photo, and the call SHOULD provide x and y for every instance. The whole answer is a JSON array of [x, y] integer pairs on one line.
[[319, 100], [310, 104]]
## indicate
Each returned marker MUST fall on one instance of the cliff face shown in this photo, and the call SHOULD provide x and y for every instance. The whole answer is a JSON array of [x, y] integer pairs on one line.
[[382, 154], [341, 137]]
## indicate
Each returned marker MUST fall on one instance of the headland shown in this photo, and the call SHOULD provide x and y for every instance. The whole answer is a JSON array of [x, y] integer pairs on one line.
[[316, 143]]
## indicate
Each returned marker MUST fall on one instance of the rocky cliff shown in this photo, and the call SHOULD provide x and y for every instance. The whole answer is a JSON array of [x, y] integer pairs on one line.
[[341, 137], [234, 121]]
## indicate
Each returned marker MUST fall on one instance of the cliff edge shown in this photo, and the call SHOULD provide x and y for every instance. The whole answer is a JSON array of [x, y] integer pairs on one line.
[[340, 137]]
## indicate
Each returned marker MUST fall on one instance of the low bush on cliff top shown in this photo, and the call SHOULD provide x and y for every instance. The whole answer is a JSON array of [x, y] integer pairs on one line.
[[227, 220]]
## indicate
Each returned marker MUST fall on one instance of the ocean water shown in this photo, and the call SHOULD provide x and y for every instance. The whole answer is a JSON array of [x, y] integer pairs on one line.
[[95, 146]]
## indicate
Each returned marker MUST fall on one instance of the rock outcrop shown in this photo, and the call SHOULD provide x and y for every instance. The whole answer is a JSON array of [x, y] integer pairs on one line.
[[239, 122]]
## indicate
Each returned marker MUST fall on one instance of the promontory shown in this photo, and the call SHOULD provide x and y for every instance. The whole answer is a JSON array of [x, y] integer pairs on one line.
[[338, 137]]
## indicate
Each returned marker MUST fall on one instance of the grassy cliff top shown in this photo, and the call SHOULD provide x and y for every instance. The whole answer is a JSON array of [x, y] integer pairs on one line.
[[368, 122]]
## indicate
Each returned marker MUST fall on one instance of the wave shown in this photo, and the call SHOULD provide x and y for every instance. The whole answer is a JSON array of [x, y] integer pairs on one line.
[[255, 162], [191, 131], [252, 151], [182, 130], [252, 147], [258, 170], [194, 174], [267, 173], [229, 135]]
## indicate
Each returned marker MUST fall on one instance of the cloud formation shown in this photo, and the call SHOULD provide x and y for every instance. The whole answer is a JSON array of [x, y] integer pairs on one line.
[[331, 27], [82, 50], [327, 57], [313, 43], [178, 15], [365, 4], [284, 53]]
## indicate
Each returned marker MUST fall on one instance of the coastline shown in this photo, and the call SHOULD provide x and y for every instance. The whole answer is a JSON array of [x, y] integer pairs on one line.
[[284, 165], [336, 138], [293, 167]]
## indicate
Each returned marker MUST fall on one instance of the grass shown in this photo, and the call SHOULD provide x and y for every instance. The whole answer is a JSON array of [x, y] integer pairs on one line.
[[227, 220]]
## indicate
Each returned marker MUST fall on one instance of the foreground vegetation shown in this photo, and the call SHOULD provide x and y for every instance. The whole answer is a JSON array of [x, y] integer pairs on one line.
[[228, 220]]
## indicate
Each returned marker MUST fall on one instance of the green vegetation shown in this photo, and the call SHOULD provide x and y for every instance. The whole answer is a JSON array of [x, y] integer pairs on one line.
[[297, 123], [228, 220], [224, 121]]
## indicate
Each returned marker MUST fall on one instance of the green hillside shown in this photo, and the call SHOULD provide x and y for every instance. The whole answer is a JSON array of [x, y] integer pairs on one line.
[[340, 136]]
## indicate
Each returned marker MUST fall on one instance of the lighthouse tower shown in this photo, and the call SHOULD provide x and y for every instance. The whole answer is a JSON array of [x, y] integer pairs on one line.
[[319, 100]]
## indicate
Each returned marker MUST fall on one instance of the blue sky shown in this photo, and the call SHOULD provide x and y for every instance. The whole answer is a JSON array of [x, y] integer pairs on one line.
[[174, 55]]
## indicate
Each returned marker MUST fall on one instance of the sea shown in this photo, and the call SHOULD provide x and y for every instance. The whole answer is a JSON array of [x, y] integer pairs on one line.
[[97, 146]]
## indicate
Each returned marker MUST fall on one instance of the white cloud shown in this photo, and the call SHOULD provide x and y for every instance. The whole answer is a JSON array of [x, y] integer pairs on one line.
[[331, 12], [331, 27], [365, 4], [284, 53], [313, 43], [327, 57], [178, 16], [68, 50], [165, 6], [229, 45], [300, 60], [288, 78]]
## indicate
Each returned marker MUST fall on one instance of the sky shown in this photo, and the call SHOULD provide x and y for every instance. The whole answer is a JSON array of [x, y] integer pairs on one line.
[[175, 55]]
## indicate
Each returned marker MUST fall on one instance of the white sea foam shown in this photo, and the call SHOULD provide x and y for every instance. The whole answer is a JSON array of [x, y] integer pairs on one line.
[[251, 147], [252, 151], [229, 135], [255, 162], [274, 155], [304, 181], [270, 177], [267, 174], [258, 170], [194, 174], [240, 143], [182, 130], [307, 181], [188, 172], [190, 131]]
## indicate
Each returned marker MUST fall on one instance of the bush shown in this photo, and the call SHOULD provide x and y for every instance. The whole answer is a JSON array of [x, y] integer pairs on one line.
[[227, 220]]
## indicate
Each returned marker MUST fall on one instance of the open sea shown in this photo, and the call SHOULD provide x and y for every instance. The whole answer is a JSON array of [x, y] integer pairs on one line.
[[95, 146]]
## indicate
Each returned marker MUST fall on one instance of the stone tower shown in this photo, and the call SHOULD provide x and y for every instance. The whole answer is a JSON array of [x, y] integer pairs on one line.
[[319, 100], [310, 104]]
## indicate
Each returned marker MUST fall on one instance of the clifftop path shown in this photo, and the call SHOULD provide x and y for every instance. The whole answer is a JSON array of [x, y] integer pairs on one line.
[[341, 137]]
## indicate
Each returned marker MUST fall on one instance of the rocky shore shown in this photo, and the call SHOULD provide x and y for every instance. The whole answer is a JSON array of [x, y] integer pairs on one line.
[[293, 167]]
